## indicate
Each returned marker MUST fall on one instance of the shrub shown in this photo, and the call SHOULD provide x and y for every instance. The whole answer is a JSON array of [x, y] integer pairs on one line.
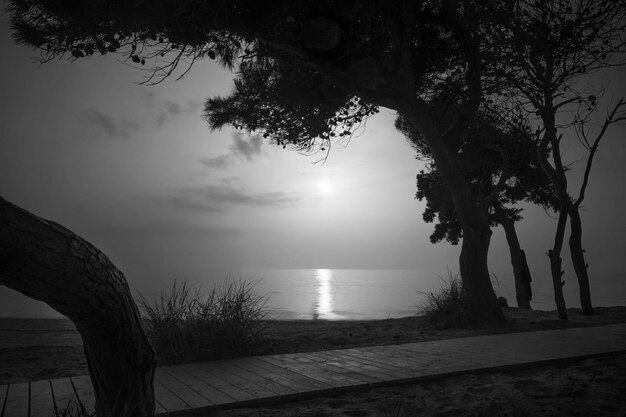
[[450, 306], [190, 326]]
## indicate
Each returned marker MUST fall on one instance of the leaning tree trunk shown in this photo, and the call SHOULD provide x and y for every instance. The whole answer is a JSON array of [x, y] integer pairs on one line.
[[555, 264], [521, 292], [47, 262], [578, 259]]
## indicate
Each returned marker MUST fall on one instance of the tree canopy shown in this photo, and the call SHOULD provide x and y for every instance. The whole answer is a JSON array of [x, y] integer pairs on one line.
[[307, 72], [499, 159]]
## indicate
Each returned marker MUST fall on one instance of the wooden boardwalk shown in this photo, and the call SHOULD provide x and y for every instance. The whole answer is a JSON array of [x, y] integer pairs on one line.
[[200, 387]]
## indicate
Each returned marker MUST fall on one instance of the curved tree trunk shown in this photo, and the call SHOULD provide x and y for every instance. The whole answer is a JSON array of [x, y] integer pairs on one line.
[[521, 292], [47, 262], [578, 259]]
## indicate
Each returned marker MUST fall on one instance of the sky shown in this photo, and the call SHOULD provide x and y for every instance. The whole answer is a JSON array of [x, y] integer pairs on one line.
[[135, 170]]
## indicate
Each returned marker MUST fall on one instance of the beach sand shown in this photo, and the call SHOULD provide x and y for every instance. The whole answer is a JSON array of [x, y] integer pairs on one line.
[[593, 387]]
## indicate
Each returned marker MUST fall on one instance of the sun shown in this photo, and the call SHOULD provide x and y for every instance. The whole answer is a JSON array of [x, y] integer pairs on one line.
[[324, 187]]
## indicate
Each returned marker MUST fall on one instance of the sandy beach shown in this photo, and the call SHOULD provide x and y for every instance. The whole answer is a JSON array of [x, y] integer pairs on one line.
[[44, 349]]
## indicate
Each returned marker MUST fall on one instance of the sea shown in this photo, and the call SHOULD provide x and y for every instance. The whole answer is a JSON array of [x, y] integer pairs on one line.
[[345, 294]]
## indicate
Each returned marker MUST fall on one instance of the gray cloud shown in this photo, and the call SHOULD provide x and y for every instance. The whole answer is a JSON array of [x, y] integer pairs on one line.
[[107, 125], [219, 162], [165, 111], [169, 110], [246, 148], [213, 198], [163, 230], [240, 148]]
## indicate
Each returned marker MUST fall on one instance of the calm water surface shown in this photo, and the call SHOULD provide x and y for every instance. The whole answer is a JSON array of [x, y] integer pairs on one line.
[[350, 294]]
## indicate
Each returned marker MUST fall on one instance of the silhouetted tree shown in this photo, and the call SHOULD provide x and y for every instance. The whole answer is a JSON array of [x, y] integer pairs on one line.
[[308, 72], [500, 161], [549, 46]]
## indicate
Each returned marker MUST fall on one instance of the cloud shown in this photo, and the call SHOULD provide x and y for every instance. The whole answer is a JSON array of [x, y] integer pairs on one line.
[[169, 110], [240, 148], [167, 229], [246, 148], [214, 198], [219, 162], [164, 111], [107, 125]]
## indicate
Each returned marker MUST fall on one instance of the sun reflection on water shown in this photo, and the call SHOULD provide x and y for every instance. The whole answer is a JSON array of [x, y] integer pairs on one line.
[[323, 308]]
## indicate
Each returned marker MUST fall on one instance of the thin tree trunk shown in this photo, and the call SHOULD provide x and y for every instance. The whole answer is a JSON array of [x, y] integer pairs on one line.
[[559, 183], [521, 294], [578, 259], [555, 265], [47, 262]]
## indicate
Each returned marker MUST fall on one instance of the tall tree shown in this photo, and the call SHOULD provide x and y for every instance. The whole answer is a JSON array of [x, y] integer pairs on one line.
[[308, 72], [500, 161], [47, 262], [549, 47]]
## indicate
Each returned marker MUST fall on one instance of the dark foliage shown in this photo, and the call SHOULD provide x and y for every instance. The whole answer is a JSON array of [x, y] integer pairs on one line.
[[499, 160]]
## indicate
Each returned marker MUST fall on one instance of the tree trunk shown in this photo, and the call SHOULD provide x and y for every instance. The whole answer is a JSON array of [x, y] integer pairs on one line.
[[47, 262], [578, 259], [473, 218], [555, 265], [521, 293], [475, 274], [559, 183]]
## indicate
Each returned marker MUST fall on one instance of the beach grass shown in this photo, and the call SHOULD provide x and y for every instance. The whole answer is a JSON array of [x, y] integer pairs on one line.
[[188, 324]]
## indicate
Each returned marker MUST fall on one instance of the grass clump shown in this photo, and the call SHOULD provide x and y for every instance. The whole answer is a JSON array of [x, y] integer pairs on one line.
[[186, 325], [451, 306], [444, 308]]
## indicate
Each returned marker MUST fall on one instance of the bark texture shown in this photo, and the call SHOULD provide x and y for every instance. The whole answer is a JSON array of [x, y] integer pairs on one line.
[[521, 293], [555, 265], [578, 259], [47, 262]]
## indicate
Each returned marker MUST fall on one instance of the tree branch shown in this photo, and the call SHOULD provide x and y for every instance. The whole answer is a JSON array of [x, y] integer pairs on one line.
[[594, 148]]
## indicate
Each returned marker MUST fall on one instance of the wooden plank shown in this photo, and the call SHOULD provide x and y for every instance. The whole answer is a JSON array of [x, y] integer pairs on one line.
[[299, 382], [166, 399], [394, 360], [258, 377], [359, 377], [206, 375], [363, 365], [471, 355], [41, 400], [158, 408], [212, 395], [223, 378], [62, 392], [17, 401], [350, 363], [84, 390], [182, 391], [315, 371]]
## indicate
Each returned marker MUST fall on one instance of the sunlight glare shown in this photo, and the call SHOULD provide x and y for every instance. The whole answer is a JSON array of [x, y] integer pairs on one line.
[[324, 187]]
